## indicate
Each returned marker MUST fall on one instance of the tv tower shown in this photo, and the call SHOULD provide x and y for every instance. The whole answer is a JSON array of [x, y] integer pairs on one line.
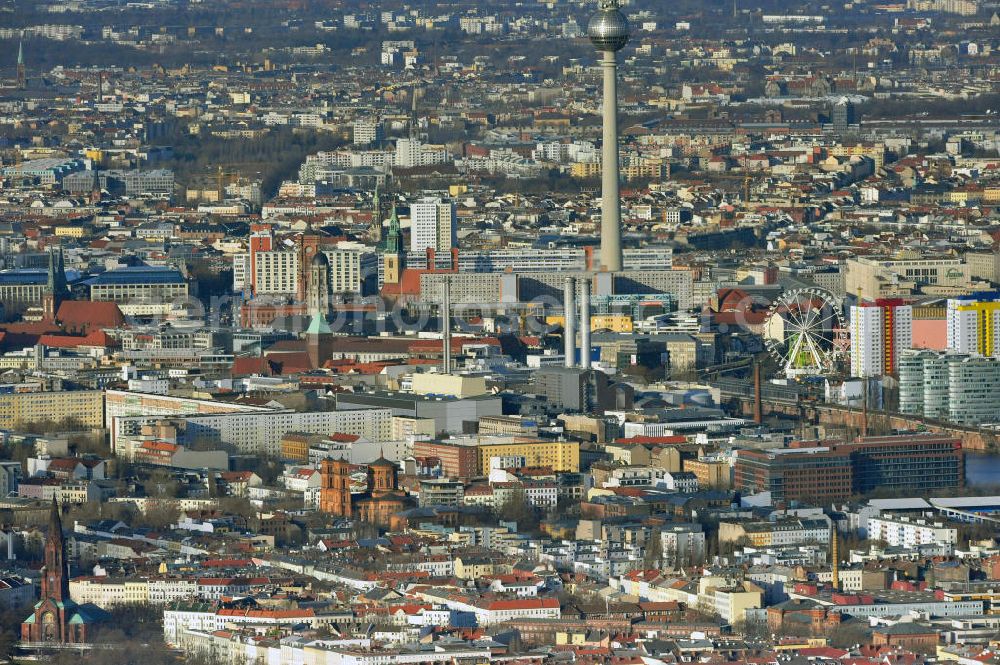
[[608, 31]]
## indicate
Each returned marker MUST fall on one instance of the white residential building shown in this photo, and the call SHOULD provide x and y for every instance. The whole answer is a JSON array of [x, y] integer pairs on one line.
[[276, 272], [171, 590], [907, 532], [368, 131], [432, 225], [411, 153], [105, 592], [300, 478], [682, 544], [350, 264], [260, 433], [177, 619], [880, 331], [974, 324]]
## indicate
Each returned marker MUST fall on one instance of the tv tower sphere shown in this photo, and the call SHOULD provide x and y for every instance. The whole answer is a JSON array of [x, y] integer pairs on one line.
[[608, 28]]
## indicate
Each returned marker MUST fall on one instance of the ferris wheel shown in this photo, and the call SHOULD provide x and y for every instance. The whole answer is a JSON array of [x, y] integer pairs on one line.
[[804, 332]]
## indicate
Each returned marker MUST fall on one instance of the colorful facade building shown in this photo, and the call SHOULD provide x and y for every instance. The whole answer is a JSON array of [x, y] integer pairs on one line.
[[974, 323], [880, 331]]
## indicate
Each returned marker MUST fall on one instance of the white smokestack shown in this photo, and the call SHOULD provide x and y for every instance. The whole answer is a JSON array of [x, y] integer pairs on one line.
[[569, 320], [446, 329], [585, 323]]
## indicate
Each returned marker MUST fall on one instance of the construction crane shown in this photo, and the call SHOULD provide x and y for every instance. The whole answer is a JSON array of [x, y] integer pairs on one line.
[[215, 181], [18, 158], [222, 176]]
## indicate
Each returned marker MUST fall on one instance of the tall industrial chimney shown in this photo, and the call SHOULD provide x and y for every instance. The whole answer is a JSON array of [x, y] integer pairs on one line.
[[585, 323], [835, 556], [569, 320], [446, 328], [758, 406], [864, 409]]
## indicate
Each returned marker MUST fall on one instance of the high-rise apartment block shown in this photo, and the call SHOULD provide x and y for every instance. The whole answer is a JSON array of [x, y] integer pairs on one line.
[[368, 131], [432, 225], [411, 153], [974, 323], [269, 268], [880, 331]]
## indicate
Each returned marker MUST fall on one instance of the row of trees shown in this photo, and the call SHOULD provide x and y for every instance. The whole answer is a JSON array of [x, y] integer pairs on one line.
[[133, 635], [274, 156]]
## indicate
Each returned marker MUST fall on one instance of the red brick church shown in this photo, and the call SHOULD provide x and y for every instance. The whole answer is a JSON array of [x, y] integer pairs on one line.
[[56, 618]]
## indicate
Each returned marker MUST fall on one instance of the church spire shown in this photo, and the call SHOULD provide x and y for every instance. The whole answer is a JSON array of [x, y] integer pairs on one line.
[[394, 237], [55, 582], [22, 75], [55, 287], [55, 520], [376, 228], [50, 285], [61, 273]]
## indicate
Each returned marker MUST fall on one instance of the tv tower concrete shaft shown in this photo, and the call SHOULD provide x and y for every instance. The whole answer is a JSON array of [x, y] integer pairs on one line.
[[611, 216], [609, 32]]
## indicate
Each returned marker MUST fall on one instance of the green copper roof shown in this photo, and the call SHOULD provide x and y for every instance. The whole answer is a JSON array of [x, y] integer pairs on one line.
[[318, 325], [393, 243]]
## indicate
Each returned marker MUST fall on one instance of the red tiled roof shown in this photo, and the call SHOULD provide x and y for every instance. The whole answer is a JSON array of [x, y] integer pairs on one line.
[[248, 365], [160, 445], [96, 338], [822, 652], [523, 604], [292, 363], [738, 318], [63, 464], [409, 284], [456, 343], [230, 476], [331, 544], [86, 314], [226, 563], [267, 614]]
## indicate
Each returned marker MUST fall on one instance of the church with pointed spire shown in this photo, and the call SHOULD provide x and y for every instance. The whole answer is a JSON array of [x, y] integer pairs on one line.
[[56, 289], [22, 73], [393, 254], [319, 339], [375, 232], [56, 619]]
